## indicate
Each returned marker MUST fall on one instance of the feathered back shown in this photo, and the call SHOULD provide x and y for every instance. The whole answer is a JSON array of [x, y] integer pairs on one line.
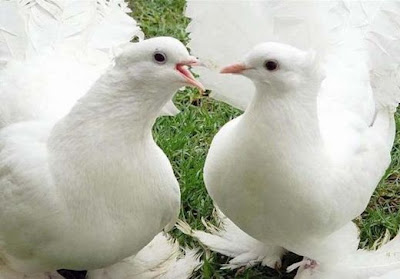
[[32, 27], [222, 31]]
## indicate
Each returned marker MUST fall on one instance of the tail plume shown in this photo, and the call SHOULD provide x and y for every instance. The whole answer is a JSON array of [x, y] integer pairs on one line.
[[29, 27]]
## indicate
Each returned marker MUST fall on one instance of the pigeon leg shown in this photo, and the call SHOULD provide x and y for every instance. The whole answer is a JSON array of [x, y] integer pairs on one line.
[[306, 263]]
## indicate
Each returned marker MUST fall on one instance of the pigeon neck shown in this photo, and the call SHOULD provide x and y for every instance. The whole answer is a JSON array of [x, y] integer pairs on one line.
[[118, 105], [110, 118], [289, 115]]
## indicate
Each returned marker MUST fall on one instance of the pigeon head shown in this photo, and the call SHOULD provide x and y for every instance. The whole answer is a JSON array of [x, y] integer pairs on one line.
[[277, 65], [159, 62]]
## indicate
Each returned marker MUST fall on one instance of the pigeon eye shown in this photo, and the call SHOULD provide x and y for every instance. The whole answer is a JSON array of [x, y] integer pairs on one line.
[[271, 65], [160, 57]]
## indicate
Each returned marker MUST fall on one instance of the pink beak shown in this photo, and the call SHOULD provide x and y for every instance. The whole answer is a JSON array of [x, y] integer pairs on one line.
[[234, 69], [190, 79]]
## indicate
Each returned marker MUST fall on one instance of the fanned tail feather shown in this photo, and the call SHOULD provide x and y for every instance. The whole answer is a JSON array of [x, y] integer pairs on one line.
[[28, 28], [161, 258], [229, 240], [384, 47], [13, 39], [114, 25]]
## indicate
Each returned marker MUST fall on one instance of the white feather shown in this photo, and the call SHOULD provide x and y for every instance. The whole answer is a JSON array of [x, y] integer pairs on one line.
[[32, 27], [13, 39], [161, 258], [384, 47], [231, 241]]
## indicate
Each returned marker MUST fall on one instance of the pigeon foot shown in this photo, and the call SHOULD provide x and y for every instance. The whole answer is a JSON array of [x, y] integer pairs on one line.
[[304, 264]]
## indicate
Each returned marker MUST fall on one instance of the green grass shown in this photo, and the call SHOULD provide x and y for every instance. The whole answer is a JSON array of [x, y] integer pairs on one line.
[[186, 139]]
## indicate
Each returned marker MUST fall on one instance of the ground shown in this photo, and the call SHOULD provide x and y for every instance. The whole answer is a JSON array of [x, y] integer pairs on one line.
[[186, 139]]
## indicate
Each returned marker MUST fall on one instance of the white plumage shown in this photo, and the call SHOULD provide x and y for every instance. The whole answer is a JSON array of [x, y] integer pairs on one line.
[[83, 185], [231, 241], [161, 258], [315, 139]]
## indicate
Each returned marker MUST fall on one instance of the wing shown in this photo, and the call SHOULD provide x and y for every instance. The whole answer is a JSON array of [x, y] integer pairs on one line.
[[45, 87], [28, 203]]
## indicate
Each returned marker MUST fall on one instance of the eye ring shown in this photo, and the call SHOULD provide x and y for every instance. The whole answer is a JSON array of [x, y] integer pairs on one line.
[[271, 65], [160, 57]]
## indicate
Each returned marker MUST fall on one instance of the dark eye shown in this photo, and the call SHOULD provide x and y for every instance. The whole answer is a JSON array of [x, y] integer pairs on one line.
[[160, 57], [271, 65]]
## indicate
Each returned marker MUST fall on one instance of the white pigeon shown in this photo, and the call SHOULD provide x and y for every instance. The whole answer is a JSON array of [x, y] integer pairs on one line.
[[304, 159], [83, 185]]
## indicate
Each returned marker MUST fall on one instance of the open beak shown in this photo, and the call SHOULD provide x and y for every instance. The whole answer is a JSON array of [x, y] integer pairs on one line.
[[184, 71], [234, 69]]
